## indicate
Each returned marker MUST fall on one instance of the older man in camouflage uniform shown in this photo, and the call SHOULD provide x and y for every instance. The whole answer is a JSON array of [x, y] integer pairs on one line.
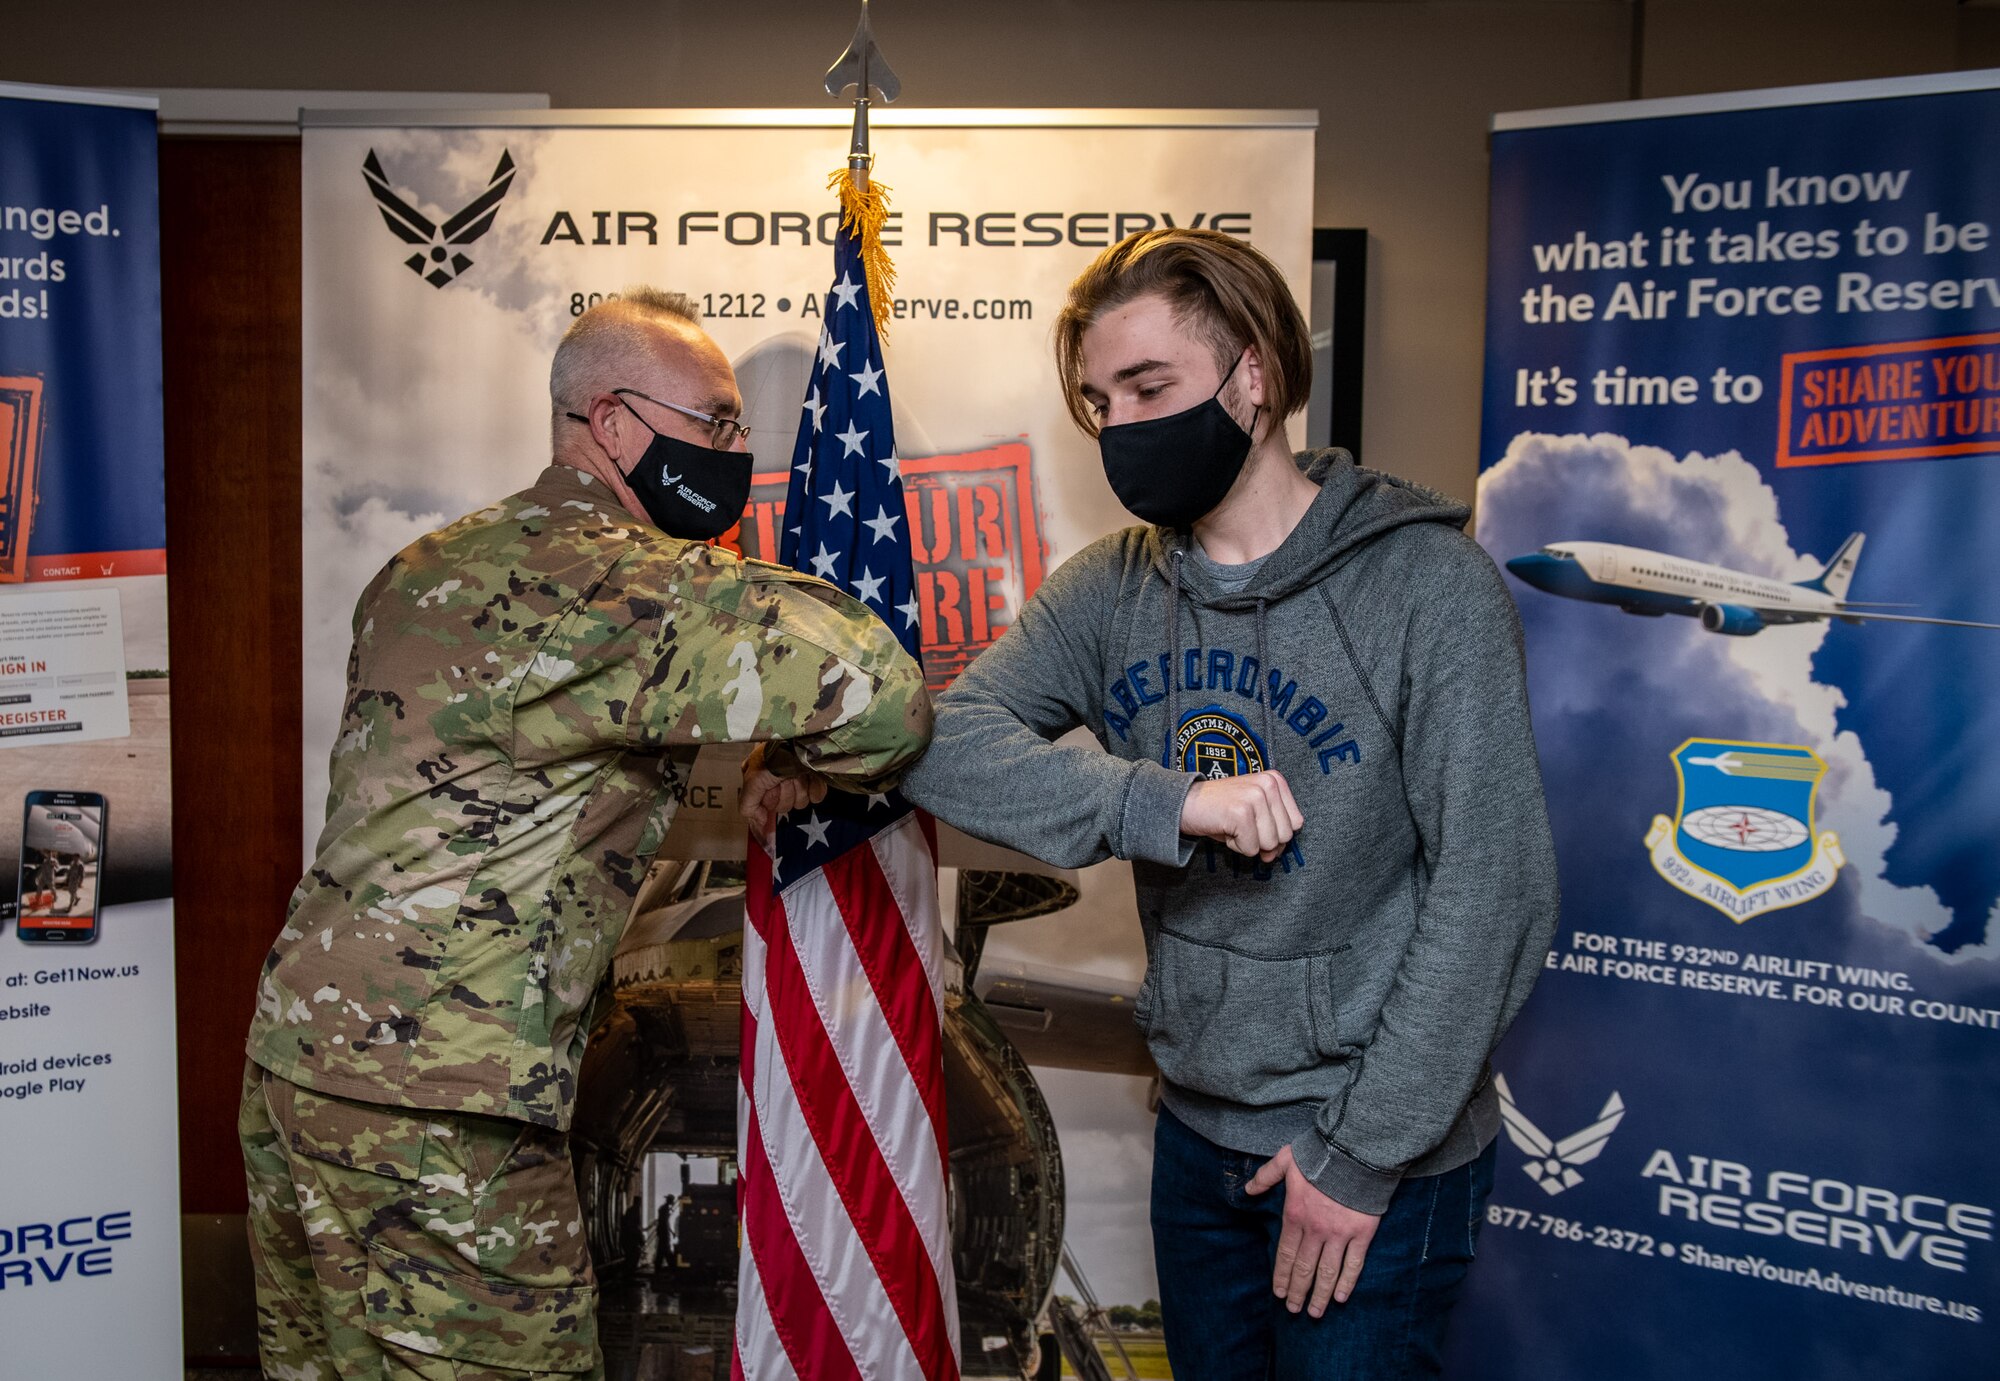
[[526, 694]]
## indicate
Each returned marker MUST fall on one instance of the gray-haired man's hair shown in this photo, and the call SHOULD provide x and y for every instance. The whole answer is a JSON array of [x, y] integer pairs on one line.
[[596, 351]]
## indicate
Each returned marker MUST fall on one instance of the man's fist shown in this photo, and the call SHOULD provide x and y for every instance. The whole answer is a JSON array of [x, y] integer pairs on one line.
[[766, 795], [1254, 815]]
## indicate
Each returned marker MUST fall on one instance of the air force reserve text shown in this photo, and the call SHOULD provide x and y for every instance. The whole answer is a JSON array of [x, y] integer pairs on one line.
[[1003, 229]]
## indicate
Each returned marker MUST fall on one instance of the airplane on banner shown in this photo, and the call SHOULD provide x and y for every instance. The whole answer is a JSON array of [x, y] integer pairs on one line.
[[1732, 603]]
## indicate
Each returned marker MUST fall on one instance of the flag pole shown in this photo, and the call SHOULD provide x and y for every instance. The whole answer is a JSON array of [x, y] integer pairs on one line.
[[842, 1106]]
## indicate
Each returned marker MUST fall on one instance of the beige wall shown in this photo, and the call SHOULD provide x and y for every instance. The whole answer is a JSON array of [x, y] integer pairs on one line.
[[1404, 92], [1729, 45]]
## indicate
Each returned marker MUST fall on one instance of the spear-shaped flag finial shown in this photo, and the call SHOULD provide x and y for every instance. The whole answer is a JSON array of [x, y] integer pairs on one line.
[[862, 69], [864, 203]]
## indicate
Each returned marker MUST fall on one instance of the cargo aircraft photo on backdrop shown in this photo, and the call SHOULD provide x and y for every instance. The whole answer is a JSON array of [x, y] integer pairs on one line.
[[1732, 603]]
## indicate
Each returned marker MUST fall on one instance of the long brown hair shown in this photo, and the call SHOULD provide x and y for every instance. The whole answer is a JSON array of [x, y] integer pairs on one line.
[[1223, 289]]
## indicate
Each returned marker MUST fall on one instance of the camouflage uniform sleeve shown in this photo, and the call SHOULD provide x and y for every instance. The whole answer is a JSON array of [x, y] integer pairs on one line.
[[751, 653], [361, 627]]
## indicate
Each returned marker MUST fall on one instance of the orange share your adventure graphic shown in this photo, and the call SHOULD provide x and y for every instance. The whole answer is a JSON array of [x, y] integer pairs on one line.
[[1907, 400]]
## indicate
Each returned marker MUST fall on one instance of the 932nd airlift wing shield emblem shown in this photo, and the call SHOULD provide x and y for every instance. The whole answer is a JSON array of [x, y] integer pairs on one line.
[[442, 258], [1742, 837], [1552, 1164]]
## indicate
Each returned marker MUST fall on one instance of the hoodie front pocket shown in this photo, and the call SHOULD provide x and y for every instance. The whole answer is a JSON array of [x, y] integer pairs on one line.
[[1142, 1005], [1322, 971], [1241, 1027]]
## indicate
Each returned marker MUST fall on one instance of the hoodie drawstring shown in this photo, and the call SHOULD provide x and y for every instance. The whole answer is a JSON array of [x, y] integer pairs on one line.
[[1264, 674]]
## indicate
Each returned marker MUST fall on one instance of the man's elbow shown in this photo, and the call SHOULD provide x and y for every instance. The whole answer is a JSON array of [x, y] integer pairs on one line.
[[893, 732], [915, 717]]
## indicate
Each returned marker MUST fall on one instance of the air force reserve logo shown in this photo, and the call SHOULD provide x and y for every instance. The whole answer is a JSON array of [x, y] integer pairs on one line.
[[1552, 1164], [1212, 742], [441, 257], [1742, 839]]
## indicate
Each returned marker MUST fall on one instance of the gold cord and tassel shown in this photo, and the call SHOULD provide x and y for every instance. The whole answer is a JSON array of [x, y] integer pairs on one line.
[[864, 207]]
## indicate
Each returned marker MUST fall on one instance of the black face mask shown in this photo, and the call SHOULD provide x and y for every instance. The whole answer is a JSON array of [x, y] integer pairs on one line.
[[692, 492], [1174, 470]]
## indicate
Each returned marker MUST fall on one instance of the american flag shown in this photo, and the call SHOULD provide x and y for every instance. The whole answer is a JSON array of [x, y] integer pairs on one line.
[[846, 1269]]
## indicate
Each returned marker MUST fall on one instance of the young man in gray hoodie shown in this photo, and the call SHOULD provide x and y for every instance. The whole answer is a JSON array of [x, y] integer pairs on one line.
[[1307, 683]]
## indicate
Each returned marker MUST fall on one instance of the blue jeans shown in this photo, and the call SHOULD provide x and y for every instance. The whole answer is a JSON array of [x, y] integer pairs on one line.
[[1215, 1247]]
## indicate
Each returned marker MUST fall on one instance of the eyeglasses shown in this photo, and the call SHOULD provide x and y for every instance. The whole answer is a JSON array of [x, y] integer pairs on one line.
[[727, 430]]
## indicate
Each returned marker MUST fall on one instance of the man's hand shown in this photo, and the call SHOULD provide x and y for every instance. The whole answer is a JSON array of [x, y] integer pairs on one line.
[[1255, 814], [1323, 1243], [766, 795]]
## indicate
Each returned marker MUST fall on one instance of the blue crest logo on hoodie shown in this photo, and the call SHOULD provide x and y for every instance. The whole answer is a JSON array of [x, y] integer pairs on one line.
[[1212, 742]]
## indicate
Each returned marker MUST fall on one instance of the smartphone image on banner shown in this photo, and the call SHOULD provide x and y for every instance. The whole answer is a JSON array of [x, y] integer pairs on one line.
[[62, 867]]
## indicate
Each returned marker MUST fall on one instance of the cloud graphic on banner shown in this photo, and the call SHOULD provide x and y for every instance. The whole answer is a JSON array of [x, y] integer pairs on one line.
[[402, 441], [1656, 682], [439, 171]]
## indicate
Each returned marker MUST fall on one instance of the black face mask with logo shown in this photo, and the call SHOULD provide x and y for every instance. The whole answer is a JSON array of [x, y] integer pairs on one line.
[[692, 492], [1174, 470]]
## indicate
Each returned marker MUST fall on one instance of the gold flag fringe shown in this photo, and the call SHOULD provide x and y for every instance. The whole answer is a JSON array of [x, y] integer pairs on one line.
[[864, 208]]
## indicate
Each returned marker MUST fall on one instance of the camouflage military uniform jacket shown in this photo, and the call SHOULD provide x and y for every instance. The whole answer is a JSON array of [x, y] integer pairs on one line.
[[526, 694]]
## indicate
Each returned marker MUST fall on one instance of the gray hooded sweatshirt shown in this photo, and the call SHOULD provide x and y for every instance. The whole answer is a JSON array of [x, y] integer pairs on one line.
[[1344, 998]]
